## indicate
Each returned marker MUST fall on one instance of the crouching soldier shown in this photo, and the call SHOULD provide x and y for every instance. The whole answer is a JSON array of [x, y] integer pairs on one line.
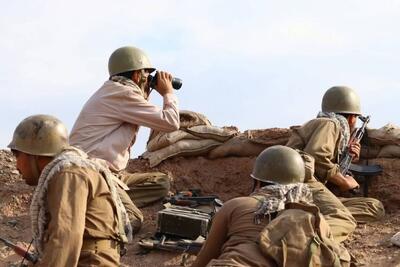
[[76, 214], [278, 177], [325, 138]]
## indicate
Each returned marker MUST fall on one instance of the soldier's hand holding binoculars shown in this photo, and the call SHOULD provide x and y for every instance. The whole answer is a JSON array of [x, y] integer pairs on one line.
[[163, 84]]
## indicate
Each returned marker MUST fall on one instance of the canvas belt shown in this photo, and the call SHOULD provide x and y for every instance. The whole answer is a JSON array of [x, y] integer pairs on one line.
[[100, 244]]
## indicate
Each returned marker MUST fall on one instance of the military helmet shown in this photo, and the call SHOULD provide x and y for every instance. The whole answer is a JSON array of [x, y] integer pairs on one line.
[[341, 99], [128, 58], [279, 164], [41, 135]]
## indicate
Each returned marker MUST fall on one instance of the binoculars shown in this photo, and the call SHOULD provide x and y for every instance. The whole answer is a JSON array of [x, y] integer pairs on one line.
[[176, 82]]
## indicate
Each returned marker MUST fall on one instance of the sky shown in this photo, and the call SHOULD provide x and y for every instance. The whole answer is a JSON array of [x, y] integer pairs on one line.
[[253, 64]]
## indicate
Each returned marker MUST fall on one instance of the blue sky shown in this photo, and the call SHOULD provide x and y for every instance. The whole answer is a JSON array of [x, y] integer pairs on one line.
[[253, 64]]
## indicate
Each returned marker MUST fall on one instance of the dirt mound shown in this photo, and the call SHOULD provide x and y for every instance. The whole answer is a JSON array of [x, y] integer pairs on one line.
[[227, 177]]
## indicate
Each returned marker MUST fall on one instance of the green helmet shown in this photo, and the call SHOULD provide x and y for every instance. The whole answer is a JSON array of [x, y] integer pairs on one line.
[[41, 135], [128, 58], [341, 99], [279, 164]]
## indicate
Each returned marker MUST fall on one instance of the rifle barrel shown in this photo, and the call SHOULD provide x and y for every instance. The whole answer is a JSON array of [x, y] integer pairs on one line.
[[20, 251]]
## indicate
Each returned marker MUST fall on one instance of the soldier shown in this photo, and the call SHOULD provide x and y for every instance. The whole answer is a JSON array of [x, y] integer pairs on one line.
[[107, 126], [77, 217], [326, 137], [278, 177]]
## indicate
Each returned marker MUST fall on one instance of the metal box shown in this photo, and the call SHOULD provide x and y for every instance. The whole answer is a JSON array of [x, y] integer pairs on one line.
[[183, 222]]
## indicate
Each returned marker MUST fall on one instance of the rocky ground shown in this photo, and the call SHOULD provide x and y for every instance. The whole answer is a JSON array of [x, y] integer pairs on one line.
[[226, 177]]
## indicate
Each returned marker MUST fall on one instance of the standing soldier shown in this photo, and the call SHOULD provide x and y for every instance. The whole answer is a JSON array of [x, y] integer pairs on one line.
[[326, 137], [76, 214], [107, 126]]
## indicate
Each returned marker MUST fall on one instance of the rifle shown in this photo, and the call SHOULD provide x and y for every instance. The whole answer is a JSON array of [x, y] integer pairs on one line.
[[192, 199], [347, 158], [356, 136], [180, 245], [20, 251]]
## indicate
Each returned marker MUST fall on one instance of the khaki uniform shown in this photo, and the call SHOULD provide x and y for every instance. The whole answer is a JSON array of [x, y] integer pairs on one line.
[[320, 138], [233, 237], [339, 218], [82, 217], [107, 127], [144, 188]]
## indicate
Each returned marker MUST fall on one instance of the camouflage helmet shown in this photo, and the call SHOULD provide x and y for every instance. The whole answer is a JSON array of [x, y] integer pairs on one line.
[[279, 164], [128, 58], [341, 99], [41, 135]]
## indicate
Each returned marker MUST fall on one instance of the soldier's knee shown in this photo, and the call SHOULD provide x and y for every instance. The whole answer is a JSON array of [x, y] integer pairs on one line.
[[376, 208], [136, 225], [164, 181]]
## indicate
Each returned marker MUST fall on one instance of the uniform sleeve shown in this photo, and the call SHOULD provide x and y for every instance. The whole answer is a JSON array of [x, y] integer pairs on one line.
[[322, 145], [67, 201], [212, 248], [137, 110]]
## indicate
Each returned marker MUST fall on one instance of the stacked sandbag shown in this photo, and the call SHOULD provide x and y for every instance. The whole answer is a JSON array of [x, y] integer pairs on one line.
[[196, 136], [251, 143], [382, 143]]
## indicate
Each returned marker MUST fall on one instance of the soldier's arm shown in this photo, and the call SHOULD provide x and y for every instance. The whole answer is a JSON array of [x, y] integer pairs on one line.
[[216, 238], [322, 145], [67, 201], [134, 108]]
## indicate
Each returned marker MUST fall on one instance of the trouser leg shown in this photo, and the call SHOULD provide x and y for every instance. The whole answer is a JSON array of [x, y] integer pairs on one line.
[[146, 188], [364, 209], [339, 218]]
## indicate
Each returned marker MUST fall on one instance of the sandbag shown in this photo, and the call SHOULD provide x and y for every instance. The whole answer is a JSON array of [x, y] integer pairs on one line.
[[269, 137], [239, 146], [161, 139], [186, 119], [389, 151], [212, 132], [387, 135], [191, 118], [184, 147]]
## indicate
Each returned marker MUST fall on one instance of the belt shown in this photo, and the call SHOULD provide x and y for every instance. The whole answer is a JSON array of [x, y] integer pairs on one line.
[[100, 244]]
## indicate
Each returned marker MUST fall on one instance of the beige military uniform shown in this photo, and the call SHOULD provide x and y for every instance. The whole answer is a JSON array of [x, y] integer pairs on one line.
[[107, 126], [233, 238], [83, 226], [320, 138]]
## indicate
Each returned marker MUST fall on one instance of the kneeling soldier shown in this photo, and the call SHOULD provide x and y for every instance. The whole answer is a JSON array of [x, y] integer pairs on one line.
[[325, 138]]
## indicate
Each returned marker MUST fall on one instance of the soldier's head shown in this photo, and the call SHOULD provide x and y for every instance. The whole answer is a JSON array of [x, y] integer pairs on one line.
[[342, 100], [278, 165], [36, 140], [132, 63]]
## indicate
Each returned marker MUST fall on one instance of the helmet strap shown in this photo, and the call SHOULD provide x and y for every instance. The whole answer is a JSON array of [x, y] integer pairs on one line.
[[143, 83], [33, 161], [254, 185]]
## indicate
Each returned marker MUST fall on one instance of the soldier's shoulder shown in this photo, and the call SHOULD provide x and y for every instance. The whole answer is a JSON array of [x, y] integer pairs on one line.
[[321, 122], [83, 172], [240, 202]]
